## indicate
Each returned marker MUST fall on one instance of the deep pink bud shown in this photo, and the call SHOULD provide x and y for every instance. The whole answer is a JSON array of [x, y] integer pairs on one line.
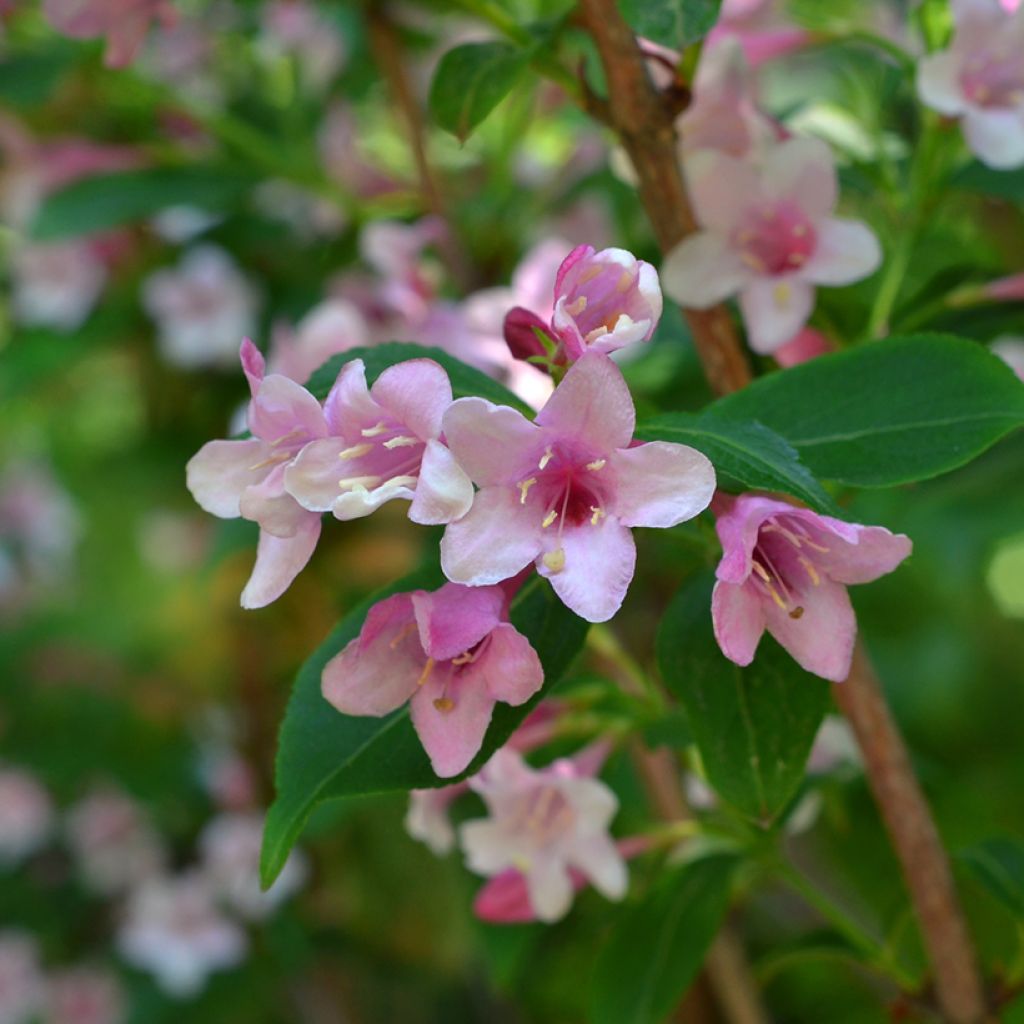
[[521, 327]]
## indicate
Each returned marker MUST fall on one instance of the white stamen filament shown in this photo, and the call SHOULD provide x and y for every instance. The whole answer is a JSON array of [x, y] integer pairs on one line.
[[375, 431], [596, 465], [271, 460], [545, 458], [355, 483], [356, 451], [401, 441], [598, 514], [524, 487]]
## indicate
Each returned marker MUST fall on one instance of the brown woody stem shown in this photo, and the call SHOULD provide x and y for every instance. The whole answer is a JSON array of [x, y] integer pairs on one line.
[[644, 123]]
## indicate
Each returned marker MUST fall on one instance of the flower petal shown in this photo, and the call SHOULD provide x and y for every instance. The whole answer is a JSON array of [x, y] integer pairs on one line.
[[253, 365], [702, 270], [493, 541], [281, 408], [599, 565], [802, 170], [348, 407], [455, 618], [416, 392], [660, 484], [508, 667], [858, 554], [312, 477], [550, 888], [221, 470], [846, 251], [278, 561], [719, 185], [774, 309], [494, 444], [443, 490], [938, 82], [597, 857], [996, 137], [738, 616], [268, 504], [592, 405]]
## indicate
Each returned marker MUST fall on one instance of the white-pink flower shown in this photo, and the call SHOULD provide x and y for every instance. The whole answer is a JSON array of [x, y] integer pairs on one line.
[[786, 569], [980, 79], [333, 326], [21, 980], [769, 236], [26, 816], [84, 995], [55, 285], [427, 817], [1011, 350], [173, 929], [546, 825], [565, 490], [452, 653], [124, 23]]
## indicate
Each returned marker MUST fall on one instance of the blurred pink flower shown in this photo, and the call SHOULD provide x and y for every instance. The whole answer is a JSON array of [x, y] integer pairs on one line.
[[124, 23], [114, 845], [786, 569], [230, 849], [545, 825], [806, 344], [21, 980], [564, 491], [980, 79], [1005, 289], [247, 478], [26, 816], [300, 30], [55, 285], [1011, 350], [333, 326], [768, 235], [427, 818], [84, 995], [201, 308], [173, 929], [760, 27], [452, 653]]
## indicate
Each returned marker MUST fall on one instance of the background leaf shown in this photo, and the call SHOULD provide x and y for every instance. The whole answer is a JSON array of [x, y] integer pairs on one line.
[[753, 726], [749, 453], [658, 945], [998, 864], [673, 23], [323, 754], [887, 413], [105, 201], [471, 80]]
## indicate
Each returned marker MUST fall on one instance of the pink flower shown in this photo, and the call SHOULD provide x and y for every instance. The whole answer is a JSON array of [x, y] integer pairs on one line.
[[26, 816], [299, 29], [124, 23], [545, 825], [604, 301], [1011, 350], [427, 818], [452, 652], [768, 236], [760, 28], [1006, 289], [980, 79], [21, 980], [331, 327], [56, 285], [805, 345], [723, 115], [246, 478], [84, 995], [384, 444], [565, 490], [173, 929], [786, 569]]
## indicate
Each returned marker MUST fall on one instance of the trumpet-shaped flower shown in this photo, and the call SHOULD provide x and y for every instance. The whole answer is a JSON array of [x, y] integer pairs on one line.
[[383, 444], [980, 79], [246, 478], [565, 490], [451, 653], [786, 569], [768, 235], [547, 825]]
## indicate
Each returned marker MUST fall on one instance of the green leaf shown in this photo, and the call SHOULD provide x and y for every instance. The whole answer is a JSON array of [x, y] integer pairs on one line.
[[976, 177], [658, 945], [466, 380], [753, 726], [888, 412], [748, 452], [998, 864], [673, 23], [323, 754], [105, 201], [471, 80]]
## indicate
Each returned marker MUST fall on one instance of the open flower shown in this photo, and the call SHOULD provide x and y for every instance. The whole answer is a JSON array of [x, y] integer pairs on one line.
[[124, 23], [384, 444], [427, 818], [22, 986], [565, 490], [547, 825], [333, 326], [26, 816], [84, 995], [246, 478], [452, 653], [786, 569], [980, 79], [769, 236]]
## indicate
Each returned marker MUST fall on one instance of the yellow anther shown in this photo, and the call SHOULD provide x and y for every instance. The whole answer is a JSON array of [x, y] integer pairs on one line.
[[811, 571], [577, 307], [375, 431], [425, 674], [598, 514], [554, 560], [524, 486], [444, 704], [466, 658], [782, 294], [546, 458], [549, 519], [402, 441], [597, 464], [356, 451], [796, 613]]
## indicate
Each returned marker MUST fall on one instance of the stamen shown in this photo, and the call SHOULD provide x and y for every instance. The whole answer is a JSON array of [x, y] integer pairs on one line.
[[549, 519], [444, 704], [272, 460], [465, 658], [577, 307], [598, 514], [355, 483], [524, 486], [782, 293], [752, 261], [597, 464], [546, 458], [402, 634], [554, 561], [796, 613], [356, 451], [401, 481], [375, 431], [297, 432], [402, 441], [425, 674], [811, 571]]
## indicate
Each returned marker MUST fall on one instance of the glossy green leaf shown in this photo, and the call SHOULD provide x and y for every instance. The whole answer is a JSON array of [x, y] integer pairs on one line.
[[466, 380], [753, 726], [886, 413], [658, 945], [673, 23], [323, 754], [105, 201], [746, 452], [471, 80], [998, 864], [976, 177]]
